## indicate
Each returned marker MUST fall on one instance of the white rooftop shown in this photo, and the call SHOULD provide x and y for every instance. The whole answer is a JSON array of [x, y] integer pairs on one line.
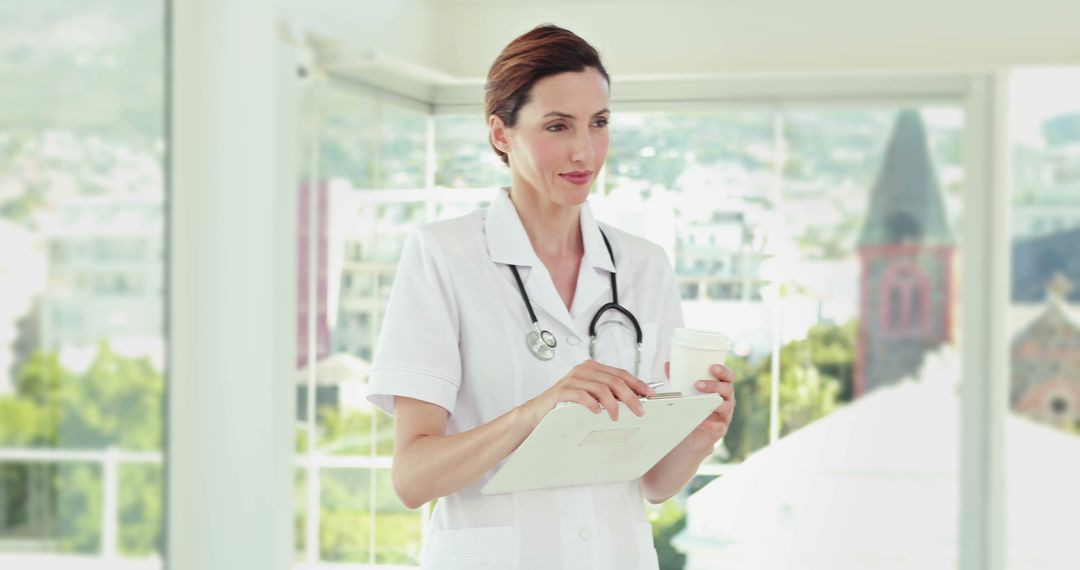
[[875, 485]]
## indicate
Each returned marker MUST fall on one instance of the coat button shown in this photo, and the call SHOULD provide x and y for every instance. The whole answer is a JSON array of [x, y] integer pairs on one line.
[[585, 533], [572, 340]]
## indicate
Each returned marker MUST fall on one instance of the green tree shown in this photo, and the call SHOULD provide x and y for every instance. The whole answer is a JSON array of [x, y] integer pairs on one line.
[[816, 376], [117, 402], [348, 432], [345, 493]]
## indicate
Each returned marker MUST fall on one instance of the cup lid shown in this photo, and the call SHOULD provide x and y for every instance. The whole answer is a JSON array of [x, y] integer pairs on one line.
[[701, 339]]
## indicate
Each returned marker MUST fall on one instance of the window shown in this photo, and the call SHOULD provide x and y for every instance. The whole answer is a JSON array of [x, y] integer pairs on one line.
[[839, 298], [778, 220], [1042, 430], [82, 345], [347, 510], [907, 292]]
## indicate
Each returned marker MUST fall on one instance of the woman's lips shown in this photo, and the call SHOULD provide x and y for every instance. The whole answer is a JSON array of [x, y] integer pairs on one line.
[[579, 178]]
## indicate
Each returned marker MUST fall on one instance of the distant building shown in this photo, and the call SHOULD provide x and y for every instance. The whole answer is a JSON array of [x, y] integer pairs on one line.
[[359, 238], [1046, 180], [906, 253], [105, 276], [306, 253], [717, 259], [1050, 215], [1036, 261], [312, 260], [369, 233], [1045, 375]]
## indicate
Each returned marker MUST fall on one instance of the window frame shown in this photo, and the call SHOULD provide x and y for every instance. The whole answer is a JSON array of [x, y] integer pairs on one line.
[[983, 294]]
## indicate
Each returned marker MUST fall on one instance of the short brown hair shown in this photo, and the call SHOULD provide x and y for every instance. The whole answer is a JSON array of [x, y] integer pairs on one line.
[[544, 51]]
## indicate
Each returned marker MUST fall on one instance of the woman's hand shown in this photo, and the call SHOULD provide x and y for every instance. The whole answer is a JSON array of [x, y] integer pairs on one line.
[[678, 467], [595, 386], [714, 427]]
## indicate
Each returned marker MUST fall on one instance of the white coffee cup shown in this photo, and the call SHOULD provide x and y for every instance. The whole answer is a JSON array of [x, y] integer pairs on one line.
[[692, 353]]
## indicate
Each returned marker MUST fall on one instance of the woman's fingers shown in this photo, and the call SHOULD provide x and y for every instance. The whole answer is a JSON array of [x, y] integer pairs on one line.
[[584, 398], [616, 386], [722, 373], [625, 394], [597, 385], [725, 389], [635, 384], [603, 394], [724, 412]]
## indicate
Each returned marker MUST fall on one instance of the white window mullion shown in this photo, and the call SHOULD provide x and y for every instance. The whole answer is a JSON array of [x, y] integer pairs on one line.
[[984, 345], [312, 510]]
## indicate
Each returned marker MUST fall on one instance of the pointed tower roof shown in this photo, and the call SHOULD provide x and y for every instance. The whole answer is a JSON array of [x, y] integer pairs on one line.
[[906, 204]]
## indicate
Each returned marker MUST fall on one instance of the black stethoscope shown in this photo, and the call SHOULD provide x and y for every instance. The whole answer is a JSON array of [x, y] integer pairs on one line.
[[542, 343]]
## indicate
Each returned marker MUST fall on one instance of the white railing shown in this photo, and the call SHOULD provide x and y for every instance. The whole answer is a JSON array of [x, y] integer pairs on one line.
[[111, 459]]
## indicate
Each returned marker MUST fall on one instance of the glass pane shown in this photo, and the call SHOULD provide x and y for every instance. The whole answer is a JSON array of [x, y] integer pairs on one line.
[[345, 515], [397, 528], [142, 511], [82, 208], [352, 232], [464, 159], [300, 521], [858, 268], [366, 139], [727, 194], [697, 183], [1042, 433]]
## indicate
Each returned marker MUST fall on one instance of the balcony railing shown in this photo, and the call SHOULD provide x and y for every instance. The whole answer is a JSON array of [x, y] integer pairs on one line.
[[111, 459]]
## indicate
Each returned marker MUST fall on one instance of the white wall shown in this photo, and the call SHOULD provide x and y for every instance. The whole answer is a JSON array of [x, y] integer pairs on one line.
[[461, 37], [232, 289]]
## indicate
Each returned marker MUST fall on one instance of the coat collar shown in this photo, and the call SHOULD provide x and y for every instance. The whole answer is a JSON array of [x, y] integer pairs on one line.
[[509, 244]]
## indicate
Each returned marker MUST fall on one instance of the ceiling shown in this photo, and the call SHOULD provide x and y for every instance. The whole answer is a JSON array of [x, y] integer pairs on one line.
[[427, 47]]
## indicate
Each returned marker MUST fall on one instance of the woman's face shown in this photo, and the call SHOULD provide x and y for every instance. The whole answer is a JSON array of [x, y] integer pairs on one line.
[[560, 140]]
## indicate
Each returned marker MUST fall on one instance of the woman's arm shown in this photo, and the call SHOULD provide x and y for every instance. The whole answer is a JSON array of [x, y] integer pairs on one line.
[[429, 464], [675, 470]]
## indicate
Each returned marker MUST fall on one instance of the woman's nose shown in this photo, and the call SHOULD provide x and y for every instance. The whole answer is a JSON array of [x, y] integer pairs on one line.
[[583, 150]]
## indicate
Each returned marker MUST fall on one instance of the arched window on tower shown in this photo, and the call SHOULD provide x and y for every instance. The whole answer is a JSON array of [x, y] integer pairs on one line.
[[905, 297]]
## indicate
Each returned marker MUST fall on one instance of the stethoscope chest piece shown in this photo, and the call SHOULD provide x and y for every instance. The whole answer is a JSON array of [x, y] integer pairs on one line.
[[541, 343]]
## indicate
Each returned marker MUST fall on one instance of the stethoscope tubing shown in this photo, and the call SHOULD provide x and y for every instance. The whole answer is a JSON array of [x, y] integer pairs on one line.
[[542, 343]]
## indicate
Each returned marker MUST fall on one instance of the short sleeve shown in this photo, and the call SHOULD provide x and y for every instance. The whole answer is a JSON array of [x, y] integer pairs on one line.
[[418, 351]]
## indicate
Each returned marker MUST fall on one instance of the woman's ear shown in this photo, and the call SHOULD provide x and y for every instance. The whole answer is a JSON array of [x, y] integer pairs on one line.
[[499, 134]]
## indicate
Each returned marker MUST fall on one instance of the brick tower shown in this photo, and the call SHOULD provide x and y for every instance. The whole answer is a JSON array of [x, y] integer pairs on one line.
[[906, 252]]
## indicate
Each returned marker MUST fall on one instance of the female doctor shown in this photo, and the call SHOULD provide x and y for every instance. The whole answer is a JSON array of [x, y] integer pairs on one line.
[[488, 328]]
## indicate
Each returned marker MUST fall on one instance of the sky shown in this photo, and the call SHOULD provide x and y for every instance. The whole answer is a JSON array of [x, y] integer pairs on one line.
[[1036, 94]]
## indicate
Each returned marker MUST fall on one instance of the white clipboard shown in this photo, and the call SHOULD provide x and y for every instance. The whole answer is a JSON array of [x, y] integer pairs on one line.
[[574, 446]]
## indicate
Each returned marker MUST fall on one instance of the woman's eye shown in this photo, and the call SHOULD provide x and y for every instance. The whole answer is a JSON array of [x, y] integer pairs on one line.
[[601, 123], [556, 128]]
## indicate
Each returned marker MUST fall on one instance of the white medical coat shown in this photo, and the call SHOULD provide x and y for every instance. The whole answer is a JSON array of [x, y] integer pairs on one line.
[[454, 335]]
